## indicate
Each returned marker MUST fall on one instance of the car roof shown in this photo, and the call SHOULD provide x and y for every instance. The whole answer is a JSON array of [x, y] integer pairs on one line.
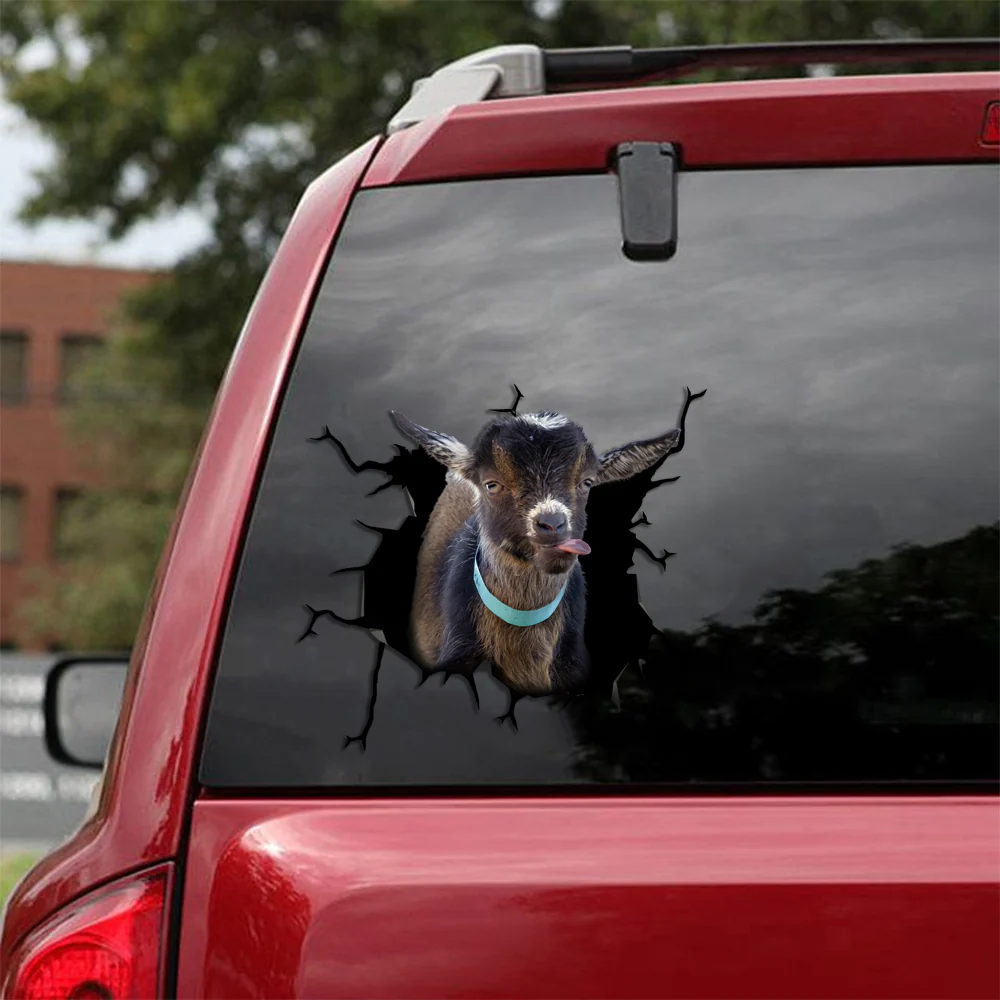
[[853, 120], [526, 70]]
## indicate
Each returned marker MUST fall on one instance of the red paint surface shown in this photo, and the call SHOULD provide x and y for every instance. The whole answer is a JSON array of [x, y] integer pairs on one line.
[[151, 767], [881, 119], [593, 898]]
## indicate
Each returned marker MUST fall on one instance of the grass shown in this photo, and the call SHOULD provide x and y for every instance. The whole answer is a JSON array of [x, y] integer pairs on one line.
[[12, 867]]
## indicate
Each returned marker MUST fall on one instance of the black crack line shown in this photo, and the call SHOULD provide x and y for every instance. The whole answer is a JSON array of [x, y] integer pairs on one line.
[[349, 569], [362, 737], [660, 560], [663, 482], [508, 716], [469, 677], [512, 410], [315, 615], [339, 445], [355, 467], [689, 398]]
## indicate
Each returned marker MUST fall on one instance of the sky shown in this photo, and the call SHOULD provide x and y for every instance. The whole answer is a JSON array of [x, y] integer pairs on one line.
[[24, 151], [159, 243]]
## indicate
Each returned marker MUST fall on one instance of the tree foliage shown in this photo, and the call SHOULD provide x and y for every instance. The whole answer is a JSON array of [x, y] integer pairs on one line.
[[885, 672], [232, 108]]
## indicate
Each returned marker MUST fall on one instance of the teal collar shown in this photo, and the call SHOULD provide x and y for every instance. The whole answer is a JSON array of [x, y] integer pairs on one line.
[[504, 611]]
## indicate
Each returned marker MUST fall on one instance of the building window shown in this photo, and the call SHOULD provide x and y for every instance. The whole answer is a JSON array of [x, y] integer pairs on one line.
[[11, 522], [65, 536], [76, 352], [13, 367]]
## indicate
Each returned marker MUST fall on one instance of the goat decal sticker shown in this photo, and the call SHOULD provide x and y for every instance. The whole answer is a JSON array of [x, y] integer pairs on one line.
[[517, 555]]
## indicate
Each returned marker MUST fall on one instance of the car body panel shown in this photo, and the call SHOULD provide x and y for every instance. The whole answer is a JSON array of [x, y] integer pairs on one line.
[[151, 763], [844, 121], [595, 897], [542, 896]]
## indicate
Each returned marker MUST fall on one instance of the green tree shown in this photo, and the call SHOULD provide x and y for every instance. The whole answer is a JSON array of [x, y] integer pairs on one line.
[[233, 108]]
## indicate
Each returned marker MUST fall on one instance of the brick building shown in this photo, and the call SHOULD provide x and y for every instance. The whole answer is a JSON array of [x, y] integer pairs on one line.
[[52, 317]]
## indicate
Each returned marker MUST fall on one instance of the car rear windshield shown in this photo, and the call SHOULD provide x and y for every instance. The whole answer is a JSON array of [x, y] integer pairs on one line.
[[803, 592]]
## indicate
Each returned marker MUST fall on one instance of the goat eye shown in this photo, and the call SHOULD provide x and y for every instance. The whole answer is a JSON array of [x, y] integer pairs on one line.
[[587, 483], [492, 487]]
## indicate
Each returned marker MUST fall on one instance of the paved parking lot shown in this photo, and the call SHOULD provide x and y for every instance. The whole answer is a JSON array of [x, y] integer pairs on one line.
[[41, 802]]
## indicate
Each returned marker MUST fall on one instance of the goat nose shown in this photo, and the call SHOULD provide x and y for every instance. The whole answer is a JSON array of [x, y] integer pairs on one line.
[[550, 523]]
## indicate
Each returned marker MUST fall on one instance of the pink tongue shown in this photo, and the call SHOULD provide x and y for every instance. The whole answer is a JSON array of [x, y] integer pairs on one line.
[[577, 545]]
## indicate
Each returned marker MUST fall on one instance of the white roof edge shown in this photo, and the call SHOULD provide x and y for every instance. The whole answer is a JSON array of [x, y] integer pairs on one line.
[[501, 71]]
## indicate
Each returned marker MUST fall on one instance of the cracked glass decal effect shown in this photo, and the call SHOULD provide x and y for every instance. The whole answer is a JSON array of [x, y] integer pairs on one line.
[[830, 613], [593, 636]]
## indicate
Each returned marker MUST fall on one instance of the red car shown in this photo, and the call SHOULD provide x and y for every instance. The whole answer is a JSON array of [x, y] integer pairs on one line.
[[755, 754]]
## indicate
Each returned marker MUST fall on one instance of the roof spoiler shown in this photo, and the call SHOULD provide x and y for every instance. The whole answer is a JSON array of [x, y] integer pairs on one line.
[[528, 70]]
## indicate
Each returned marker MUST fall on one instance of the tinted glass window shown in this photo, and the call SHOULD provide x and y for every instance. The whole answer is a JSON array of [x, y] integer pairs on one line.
[[66, 524], [813, 600], [77, 352], [13, 367], [11, 523]]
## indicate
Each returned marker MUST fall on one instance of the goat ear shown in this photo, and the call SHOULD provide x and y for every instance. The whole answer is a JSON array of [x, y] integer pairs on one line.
[[447, 450], [635, 457]]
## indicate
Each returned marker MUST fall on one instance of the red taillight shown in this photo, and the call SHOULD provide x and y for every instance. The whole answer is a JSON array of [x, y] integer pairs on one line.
[[106, 946], [990, 135]]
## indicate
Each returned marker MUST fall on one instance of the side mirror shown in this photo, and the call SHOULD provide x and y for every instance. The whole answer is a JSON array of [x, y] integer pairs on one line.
[[82, 699]]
